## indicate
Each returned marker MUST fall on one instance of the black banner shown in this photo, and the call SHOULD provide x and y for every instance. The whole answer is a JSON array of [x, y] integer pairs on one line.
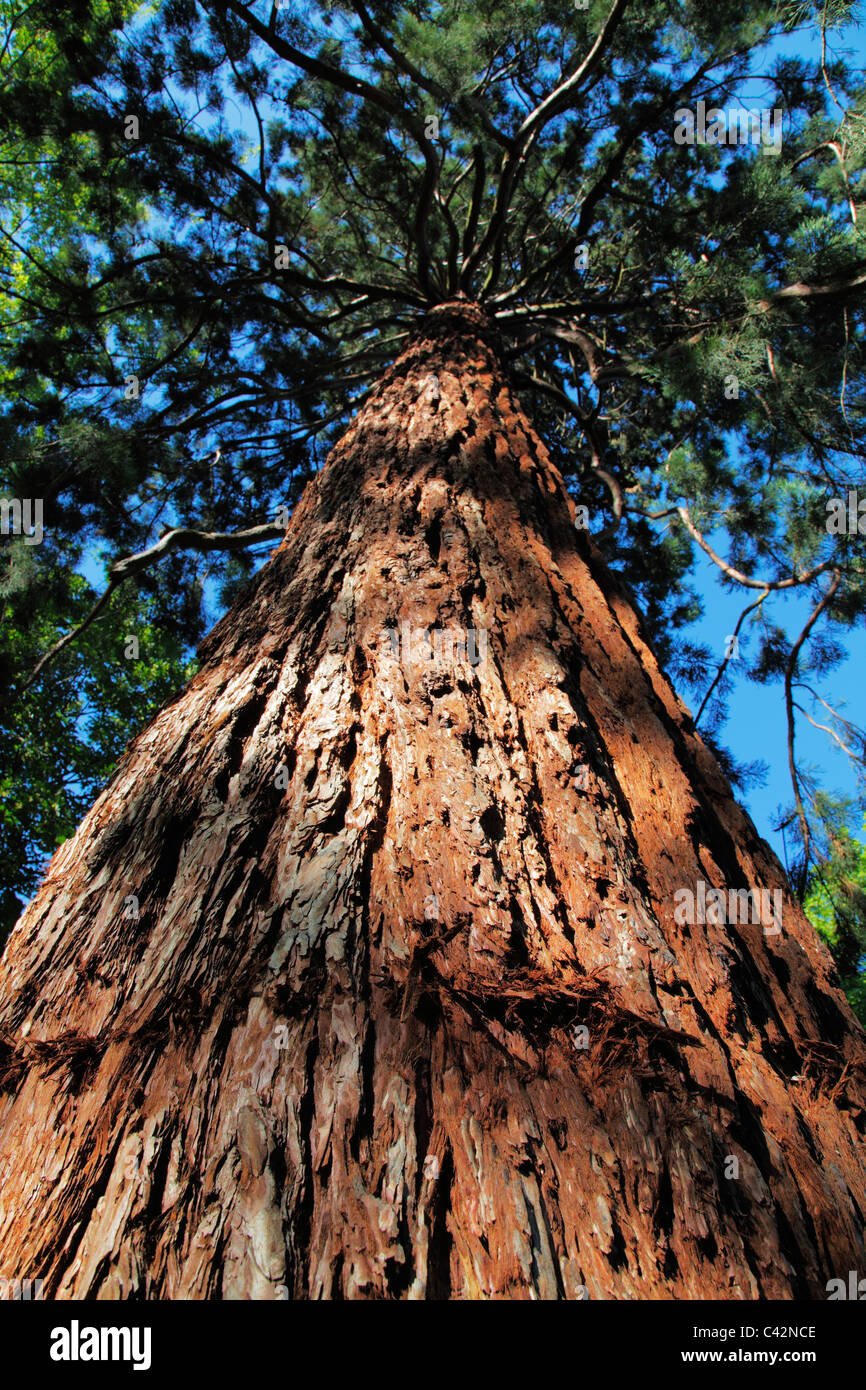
[[80, 1342]]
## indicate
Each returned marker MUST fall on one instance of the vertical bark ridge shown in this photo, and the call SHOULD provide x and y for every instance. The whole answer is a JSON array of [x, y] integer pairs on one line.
[[334, 1053]]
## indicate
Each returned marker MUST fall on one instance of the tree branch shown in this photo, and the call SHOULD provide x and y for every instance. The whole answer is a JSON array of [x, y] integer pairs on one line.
[[744, 578], [560, 98], [471, 228], [133, 564], [800, 290]]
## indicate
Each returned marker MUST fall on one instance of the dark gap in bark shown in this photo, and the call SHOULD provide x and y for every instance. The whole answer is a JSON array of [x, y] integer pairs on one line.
[[423, 1111], [616, 1255], [408, 523], [780, 969], [560, 912], [427, 1011], [857, 1211], [219, 1046], [707, 1246], [245, 722], [440, 1241], [217, 1272], [305, 1207], [730, 1198], [433, 537], [348, 749], [24, 1003], [489, 446], [399, 1275], [475, 587], [518, 953], [279, 1168], [551, 1243], [238, 867], [151, 1219], [438, 683], [311, 622], [290, 762], [492, 824], [559, 1132], [359, 667], [747, 988], [535, 1246], [807, 1138], [793, 1252], [452, 453], [111, 839], [535, 820], [63, 1248], [781, 1054], [590, 737], [670, 1265], [747, 1130], [81, 1062], [299, 692], [667, 1051], [374, 840], [820, 1243], [291, 1002], [364, 1124], [663, 1214], [706, 1026], [473, 744], [156, 885], [830, 1018]]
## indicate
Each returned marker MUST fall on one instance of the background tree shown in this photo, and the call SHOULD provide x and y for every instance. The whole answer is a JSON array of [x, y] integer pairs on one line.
[[836, 903], [60, 745]]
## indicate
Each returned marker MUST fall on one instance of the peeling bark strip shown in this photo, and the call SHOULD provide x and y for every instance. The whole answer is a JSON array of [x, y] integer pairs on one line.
[[406, 1011]]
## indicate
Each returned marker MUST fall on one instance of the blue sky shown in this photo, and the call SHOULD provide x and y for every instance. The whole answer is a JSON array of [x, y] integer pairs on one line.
[[756, 727]]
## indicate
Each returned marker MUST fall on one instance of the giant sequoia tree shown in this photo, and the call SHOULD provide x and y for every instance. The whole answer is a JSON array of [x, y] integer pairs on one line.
[[418, 947]]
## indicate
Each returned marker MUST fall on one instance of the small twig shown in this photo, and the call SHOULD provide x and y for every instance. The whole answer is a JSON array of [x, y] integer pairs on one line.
[[825, 729], [838, 151], [132, 564], [842, 404], [736, 632], [824, 72], [789, 706], [54, 652]]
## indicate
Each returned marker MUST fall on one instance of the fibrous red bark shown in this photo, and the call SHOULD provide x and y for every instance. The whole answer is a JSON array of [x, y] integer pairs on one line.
[[406, 1010]]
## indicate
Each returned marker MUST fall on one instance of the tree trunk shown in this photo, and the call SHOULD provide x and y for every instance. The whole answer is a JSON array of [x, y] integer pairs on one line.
[[407, 1009]]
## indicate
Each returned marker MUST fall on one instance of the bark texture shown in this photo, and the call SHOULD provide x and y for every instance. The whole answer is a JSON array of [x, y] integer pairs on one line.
[[338, 1054]]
